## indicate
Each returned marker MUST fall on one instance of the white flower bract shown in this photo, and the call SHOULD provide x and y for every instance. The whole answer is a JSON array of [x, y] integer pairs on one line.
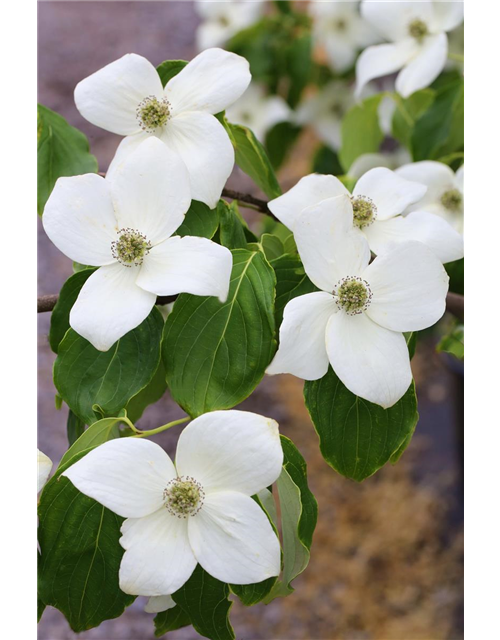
[[356, 322], [127, 97], [44, 464], [377, 202], [124, 224], [418, 41], [198, 510], [223, 19]]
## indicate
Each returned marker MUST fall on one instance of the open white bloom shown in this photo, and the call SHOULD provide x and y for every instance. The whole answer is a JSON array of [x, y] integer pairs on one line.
[[44, 468], [124, 224], [376, 204], [156, 604], [445, 190], [258, 111], [418, 45], [198, 510], [355, 322], [324, 111], [127, 97], [222, 19], [340, 29]]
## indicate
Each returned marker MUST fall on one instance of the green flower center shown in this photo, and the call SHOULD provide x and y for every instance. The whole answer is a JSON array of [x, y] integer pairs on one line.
[[131, 247], [353, 295], [452, 199], [183, 497], [363, 210], [153, 113], [418, 29]]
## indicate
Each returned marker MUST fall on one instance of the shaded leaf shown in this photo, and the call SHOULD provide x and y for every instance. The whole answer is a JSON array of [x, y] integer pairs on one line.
[[74, 428], [453, 342], [151, 393], [232, 229], [169, 69], [291, 282], [200, 221], [98, 433], [170, 620], [361, 131]]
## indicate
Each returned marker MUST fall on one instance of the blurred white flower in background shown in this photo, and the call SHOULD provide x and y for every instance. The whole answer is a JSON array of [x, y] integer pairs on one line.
[[389, 159], [324, 111], [258, 111], [419, 44], [445, 190], [127, 97], [340, 29], [44, 468], [222, 19]]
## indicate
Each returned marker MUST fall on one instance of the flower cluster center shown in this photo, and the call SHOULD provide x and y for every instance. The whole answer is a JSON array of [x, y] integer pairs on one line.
[[183, 496], [153, 113], [130, 248], [418, 29], [340, 24], [452, 199], [353, 295], [364, 211]]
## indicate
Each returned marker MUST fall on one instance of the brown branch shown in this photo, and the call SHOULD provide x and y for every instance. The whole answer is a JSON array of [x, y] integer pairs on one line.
[[455, 305], [259, 204]]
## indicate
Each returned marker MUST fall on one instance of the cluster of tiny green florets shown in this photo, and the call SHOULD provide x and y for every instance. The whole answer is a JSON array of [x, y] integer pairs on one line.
[[452, 199], [418, 29], [353, 295], [363, 210], [131, 247], [153, 113], [183, 497]]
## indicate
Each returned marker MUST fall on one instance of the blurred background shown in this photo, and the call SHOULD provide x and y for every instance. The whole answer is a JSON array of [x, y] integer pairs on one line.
[[386, 560]]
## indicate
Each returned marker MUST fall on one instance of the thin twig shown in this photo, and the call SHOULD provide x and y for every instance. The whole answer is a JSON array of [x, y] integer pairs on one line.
[[260, 205]]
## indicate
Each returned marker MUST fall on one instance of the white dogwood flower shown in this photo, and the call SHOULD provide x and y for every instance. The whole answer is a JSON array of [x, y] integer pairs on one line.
[[258, 111], [377, 202], [124, 224], [44, 467], [340, 29], [445, 190], [223, 19], [156, 604], [418, 45], [198, 510], [325, 110], [368, 161], [355, 322], [127, 97]]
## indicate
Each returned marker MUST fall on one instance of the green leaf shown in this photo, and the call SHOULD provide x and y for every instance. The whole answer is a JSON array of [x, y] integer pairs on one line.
[[272, 246], [453, 342], [205, 600], [361, 131], [456, 272], [151, 393], [40, 608], [299, 66], [170, 620], [279, 141], [169, 69], [357, 437], [216, 353], [440, 130], [232, 230], [291, 281], [74, 427], [62, 150], [327, 161], [59, 319], [98, 433], [407, 112], [200, 221], [252, 159], [80, 555], [85, 377], [299, 514]]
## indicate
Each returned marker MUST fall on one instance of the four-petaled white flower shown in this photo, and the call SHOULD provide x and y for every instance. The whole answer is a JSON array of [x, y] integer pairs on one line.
[[324, 111], [198, 510], [225, 18], [124, 224], [258, 111], [356, 322], [378, 200], [340, 29], [445, 190], [419, 45], [44, 464], [127, 97]]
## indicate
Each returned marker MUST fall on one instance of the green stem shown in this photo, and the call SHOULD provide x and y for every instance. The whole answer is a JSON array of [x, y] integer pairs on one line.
[[402, 109], [164, 427]]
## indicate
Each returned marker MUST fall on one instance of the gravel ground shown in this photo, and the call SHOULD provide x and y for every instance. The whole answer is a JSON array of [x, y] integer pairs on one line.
[[386, 559]]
